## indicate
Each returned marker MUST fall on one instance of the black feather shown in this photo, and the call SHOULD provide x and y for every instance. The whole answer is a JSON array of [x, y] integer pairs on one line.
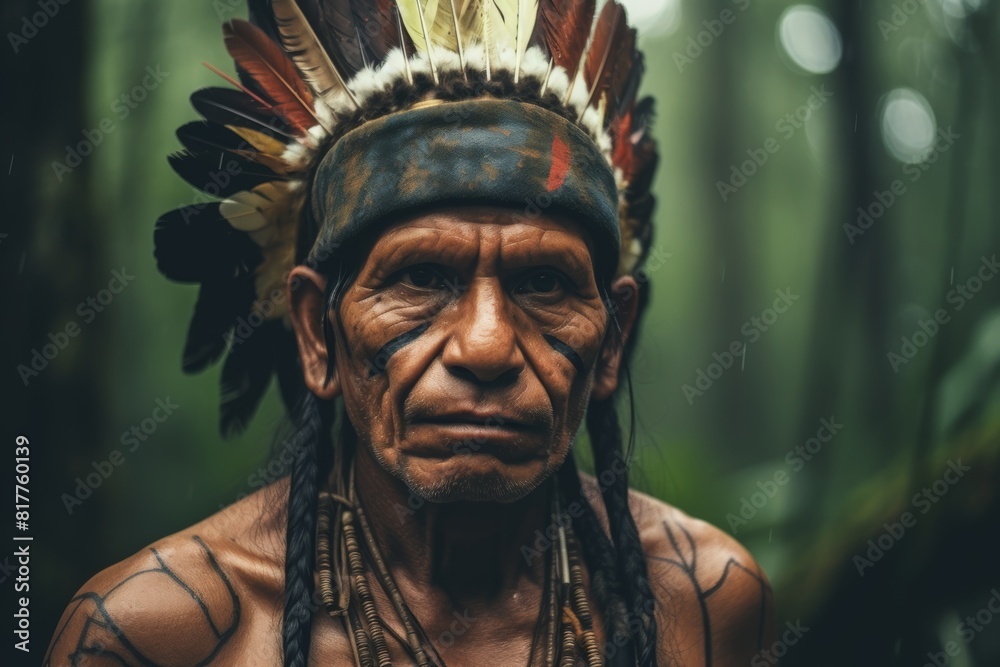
[[631, 89], [333, 22], [196, 244], [376, 24], [221, 177], [227, 106], [203, 137], [643, 113], [260, 14], [246, 374], [645, 148], [218, 145], [219, 305]]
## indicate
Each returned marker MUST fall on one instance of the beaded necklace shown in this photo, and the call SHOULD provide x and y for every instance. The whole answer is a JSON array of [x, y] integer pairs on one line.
[[345, 561]]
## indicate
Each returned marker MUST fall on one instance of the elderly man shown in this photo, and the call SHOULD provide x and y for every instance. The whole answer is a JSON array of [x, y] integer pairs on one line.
[[446, 202]]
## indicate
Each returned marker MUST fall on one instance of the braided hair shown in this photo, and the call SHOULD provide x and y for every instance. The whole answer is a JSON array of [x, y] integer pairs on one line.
[[617, 564]]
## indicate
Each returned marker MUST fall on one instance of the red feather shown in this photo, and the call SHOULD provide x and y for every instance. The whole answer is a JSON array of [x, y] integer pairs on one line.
[[612, 54], [273, 71], [621, 137], [634, 148], [566, 27]]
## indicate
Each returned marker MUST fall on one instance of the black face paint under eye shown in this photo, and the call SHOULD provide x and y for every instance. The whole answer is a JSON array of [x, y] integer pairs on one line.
[[381, 360], [568, 352]]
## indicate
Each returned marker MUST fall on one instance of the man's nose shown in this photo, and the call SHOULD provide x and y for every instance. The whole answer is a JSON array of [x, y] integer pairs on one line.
[[483, 346]]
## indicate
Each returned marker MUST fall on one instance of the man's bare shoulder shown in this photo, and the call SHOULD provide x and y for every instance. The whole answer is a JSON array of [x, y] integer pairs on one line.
[[181, 600], [715, 603]]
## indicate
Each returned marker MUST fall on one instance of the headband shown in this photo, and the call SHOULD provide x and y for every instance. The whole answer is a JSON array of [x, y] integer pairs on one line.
[[479, 152]]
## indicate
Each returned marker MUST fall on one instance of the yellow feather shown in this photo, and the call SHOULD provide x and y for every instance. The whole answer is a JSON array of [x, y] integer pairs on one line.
[[505, 24], [262, 142], [444, 26], [417, 15]]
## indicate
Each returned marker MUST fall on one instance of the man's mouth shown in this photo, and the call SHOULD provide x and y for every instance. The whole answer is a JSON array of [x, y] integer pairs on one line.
[[507, 436], [485, 419]]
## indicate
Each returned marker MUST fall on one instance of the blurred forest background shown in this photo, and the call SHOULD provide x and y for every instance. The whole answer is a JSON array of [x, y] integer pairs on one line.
[[776, 122]]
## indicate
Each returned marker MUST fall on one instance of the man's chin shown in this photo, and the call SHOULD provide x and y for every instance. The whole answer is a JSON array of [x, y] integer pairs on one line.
[[453, 480]]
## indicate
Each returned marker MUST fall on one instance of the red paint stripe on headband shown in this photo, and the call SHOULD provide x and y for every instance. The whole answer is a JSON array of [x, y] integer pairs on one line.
[[560, 164]]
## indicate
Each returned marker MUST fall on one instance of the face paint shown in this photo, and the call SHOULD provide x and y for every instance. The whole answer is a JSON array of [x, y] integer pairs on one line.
[[393, 346], [568, 352], [481, 405]]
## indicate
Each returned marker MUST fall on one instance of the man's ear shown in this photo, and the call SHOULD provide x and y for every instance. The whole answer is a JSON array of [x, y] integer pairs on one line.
[[624, 295], [305, 297]]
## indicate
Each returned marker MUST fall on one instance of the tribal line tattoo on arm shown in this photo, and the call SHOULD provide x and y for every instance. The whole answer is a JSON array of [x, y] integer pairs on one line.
[[98, 633], [688, 564]]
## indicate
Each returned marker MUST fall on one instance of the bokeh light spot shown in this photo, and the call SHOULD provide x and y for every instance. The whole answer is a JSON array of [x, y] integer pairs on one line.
[[810, 39], [908, 125]]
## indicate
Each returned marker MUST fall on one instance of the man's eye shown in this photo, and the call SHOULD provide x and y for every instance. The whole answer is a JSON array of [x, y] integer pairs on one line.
[[424, 277], [541, 282]]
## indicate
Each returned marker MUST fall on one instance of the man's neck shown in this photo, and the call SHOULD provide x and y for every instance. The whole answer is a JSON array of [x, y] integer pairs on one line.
[[474, 548]]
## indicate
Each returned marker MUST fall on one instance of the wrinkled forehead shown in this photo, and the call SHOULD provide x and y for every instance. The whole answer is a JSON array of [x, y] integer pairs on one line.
[[487, 236]]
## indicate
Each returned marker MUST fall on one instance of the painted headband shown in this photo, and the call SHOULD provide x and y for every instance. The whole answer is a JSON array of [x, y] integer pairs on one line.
[[489, 152]]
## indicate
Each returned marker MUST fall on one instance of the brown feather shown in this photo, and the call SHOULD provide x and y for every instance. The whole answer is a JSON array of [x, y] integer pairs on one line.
[[274, 72], [610, 38], [565, 27], [307, 52], [376, 22], [335, 24], [626, 75]]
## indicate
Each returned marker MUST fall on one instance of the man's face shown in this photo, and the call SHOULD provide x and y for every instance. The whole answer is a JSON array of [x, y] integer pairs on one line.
[[466, 349]]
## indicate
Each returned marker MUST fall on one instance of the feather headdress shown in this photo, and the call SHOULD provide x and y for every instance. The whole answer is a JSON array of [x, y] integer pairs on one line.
[[308, 68]]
